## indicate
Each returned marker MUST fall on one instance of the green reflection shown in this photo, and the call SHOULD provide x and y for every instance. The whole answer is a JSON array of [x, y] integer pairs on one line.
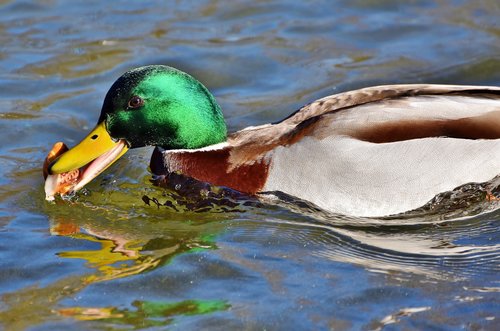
[[146, 313]]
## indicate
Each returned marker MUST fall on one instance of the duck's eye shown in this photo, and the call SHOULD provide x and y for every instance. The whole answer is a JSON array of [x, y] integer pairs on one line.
[[135, 102]]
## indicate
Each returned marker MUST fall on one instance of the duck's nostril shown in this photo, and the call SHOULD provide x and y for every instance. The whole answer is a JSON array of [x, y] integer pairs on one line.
[[94, 137]]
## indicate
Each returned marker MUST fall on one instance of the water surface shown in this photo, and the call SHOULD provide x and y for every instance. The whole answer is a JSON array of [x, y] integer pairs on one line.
[[109, 260]]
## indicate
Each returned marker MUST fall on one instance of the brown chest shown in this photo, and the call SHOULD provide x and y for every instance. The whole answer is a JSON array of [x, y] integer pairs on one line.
[[213, 166]]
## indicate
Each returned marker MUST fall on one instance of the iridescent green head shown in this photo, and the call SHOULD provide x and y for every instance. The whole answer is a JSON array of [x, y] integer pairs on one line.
[[162, 106], [153, 105]]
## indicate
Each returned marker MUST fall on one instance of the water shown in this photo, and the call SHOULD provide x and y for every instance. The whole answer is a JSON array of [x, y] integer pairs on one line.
[[107, 260]]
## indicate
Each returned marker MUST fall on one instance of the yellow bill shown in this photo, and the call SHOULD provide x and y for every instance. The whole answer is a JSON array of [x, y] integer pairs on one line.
[[95, 153]]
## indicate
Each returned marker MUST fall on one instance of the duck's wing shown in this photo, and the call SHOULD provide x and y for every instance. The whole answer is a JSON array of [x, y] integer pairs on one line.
[[368, 107], [355, 98], [381, 150]]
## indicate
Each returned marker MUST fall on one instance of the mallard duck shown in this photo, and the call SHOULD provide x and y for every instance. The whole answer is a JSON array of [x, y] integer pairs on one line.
[[372, 152]]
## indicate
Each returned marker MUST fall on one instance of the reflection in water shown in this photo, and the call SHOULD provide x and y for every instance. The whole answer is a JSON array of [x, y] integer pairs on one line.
[[120, 254], [127, 249], [433, 251], [441, 240], [16, 306], [434, 256], [145, 313], [394, 318], [126, 254]]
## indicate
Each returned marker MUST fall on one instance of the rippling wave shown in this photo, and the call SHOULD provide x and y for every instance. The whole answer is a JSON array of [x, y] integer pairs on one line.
[[441, 240]]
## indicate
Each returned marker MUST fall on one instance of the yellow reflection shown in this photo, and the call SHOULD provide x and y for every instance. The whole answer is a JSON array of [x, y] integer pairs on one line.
[[107, 258], [118, 256], [89, 314]]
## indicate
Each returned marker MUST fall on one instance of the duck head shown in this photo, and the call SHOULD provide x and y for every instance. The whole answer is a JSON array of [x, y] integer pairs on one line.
[[147, 106]]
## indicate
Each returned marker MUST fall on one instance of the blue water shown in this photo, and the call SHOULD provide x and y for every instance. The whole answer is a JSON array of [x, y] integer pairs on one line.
[[106, 260]]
